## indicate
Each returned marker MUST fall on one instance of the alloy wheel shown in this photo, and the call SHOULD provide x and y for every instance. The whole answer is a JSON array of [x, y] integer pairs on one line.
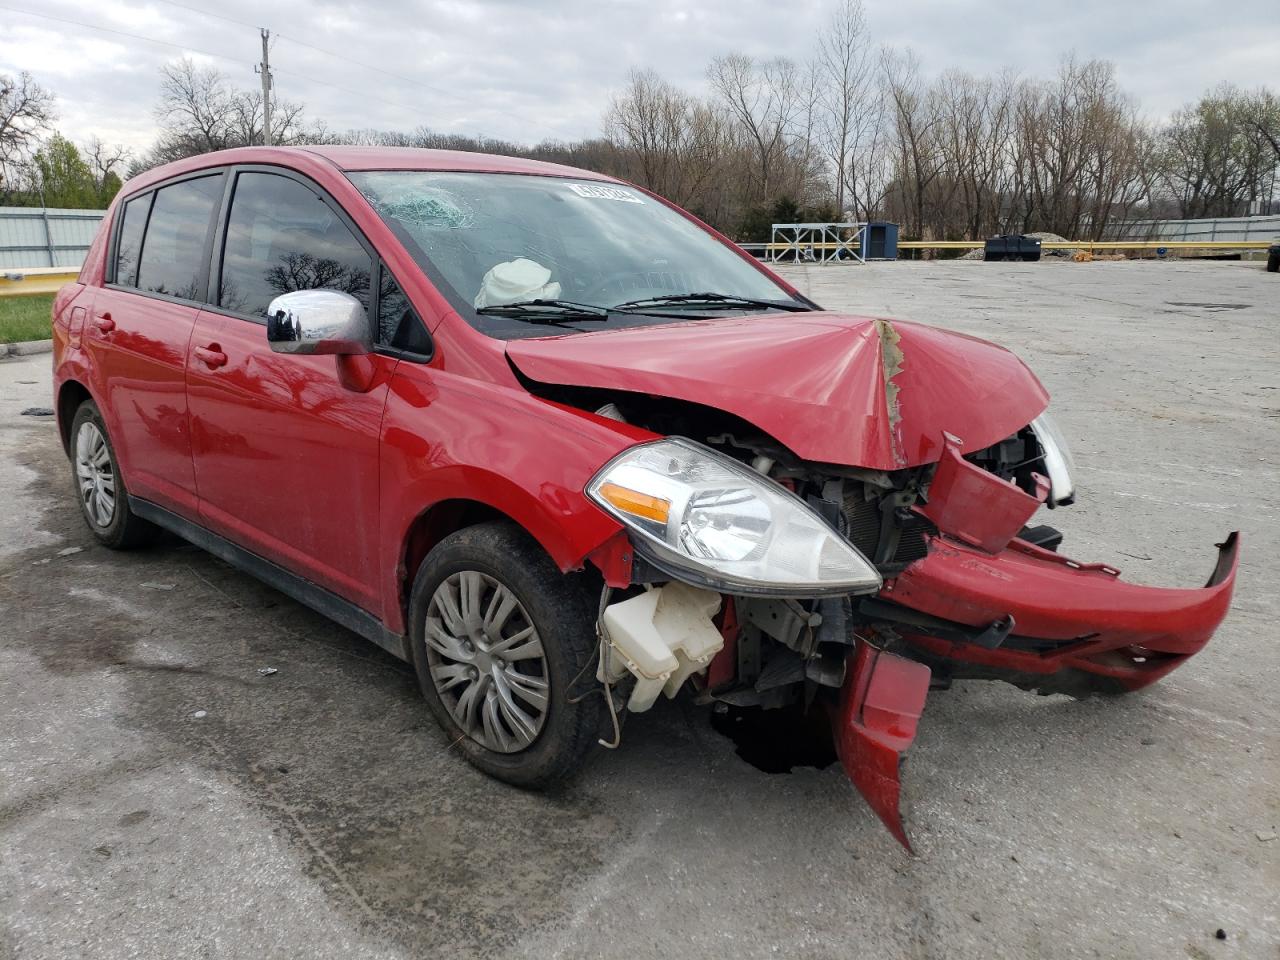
[[487, 662], [95, 474]]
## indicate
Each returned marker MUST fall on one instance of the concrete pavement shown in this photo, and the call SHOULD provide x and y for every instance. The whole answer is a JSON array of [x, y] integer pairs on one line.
[[161, 798]]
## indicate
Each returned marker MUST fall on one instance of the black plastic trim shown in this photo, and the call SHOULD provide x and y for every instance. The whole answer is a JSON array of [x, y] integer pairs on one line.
[[991, 636], [1227, 551], [323, 601], [408, 356]]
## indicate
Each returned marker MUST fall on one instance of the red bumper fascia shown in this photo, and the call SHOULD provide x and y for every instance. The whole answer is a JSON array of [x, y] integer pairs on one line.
[[975, 506], [1065, 614], [880, 704]]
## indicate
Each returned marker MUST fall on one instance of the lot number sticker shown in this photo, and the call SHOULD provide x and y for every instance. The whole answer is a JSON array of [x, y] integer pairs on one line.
[[598, 191]]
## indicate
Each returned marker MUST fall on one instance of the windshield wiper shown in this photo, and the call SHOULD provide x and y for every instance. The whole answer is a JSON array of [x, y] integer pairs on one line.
[[712, 300], [546, 311]]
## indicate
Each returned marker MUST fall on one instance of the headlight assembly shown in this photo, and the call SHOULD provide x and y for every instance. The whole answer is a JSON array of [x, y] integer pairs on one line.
[[1057, 459], [706, 519]]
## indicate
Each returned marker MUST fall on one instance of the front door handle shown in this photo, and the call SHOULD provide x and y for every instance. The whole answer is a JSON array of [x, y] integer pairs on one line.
[[104, 322], [212, 355]]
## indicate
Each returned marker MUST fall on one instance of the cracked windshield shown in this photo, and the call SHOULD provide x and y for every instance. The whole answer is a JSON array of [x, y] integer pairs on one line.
[[490, 241]]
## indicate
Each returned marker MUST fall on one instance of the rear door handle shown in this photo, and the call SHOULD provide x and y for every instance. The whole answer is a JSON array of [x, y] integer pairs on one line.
[[212, 355], [104, 322]]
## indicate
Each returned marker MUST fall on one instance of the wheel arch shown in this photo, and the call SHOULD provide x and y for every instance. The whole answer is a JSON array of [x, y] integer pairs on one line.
[[71, 394], [430, 527], [567, 543]]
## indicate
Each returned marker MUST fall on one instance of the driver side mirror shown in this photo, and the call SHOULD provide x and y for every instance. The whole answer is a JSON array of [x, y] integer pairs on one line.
[[318, 322]]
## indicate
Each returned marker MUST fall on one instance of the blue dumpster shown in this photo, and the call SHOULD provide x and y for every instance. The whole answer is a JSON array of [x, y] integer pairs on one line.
[[882, 241]]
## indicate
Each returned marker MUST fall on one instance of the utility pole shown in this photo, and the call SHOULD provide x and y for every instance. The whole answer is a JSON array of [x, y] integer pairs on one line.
[[264, 68]]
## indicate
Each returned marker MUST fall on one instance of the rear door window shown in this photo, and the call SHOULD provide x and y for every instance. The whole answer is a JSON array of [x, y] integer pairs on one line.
[[281, 237], [132, 223], [174, 259]]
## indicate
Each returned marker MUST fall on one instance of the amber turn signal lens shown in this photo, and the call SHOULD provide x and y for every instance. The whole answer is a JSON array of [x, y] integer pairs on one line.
[[636, 503]]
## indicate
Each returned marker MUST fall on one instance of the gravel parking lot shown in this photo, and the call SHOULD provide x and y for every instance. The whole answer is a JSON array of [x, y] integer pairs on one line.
[[159, 797]]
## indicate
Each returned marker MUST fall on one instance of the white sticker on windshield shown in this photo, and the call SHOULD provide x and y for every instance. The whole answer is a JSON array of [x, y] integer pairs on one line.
[[599, 191]]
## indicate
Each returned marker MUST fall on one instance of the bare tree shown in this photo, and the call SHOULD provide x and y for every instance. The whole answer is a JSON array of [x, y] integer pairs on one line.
[[763, 97], [916, 123], [846, 93], [105, 160], [1217, 154], [195, 104], [675, 142], [201, 110], [951, 156], [26, 112], [1275, 144], [1081, 150]]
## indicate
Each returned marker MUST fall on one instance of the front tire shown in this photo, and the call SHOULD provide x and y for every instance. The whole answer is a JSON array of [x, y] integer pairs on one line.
[[1273, 263], [100, 489], [497, 635]]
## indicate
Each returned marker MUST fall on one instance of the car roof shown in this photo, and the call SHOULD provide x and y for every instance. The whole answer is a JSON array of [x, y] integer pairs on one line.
[[417, 158], [366, 158]]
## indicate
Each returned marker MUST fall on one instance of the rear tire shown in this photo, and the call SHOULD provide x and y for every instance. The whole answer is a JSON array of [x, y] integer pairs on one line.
[[1273, 263], [498, 634], [100, 489]]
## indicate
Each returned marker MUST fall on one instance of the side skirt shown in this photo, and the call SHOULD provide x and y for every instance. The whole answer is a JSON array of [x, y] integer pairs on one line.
[[323, 601]]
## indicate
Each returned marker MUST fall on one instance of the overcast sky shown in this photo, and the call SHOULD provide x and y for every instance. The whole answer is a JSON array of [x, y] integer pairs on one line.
[[531, 70]]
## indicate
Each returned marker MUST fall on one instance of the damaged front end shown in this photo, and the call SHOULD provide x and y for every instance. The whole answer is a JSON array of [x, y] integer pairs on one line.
[[767, 564], [964, 588]]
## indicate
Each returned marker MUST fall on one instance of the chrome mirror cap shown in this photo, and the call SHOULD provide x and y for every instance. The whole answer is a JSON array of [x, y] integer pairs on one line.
[[318, 322]]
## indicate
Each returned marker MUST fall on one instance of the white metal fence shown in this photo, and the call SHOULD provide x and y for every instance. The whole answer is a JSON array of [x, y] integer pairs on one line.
[[46, 237], [1224, 228]]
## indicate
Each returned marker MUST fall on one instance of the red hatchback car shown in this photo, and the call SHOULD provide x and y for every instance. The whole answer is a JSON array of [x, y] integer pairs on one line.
[[564, 448]]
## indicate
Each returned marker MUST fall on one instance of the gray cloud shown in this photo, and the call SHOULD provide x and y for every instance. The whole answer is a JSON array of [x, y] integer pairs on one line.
[[539, 69]]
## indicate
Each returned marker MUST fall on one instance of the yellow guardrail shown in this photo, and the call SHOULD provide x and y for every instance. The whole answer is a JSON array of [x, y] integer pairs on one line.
[[32, 281], [1098, 244], [1047, 245]]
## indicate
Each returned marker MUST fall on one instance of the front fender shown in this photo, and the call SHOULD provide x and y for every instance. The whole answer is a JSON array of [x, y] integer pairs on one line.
[[446, 437]]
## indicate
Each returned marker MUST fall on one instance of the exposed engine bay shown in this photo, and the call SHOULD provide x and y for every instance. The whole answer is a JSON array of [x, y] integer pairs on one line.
[[786, 648]]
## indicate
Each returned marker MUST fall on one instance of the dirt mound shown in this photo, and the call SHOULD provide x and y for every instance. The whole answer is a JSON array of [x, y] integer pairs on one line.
[[1043, 237]]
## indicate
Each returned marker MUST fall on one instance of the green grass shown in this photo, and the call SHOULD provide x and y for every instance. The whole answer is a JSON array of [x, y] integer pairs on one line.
[[25, 318]]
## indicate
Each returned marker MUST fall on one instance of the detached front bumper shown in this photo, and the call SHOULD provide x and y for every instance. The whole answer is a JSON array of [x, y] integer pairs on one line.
[[1033, 613], [984, 603], [1025, 615], [984, 597]]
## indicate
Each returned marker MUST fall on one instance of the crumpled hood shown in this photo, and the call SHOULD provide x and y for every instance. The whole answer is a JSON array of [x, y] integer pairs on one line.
[[832, 388]]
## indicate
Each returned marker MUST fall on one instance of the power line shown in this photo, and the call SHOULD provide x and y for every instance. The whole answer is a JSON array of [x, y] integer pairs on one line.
[[365, 66], [275, 69], [210, 13], [123, 33], [355, 93], [187, 48], [312, 46], [417, 83], [337, 56]]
